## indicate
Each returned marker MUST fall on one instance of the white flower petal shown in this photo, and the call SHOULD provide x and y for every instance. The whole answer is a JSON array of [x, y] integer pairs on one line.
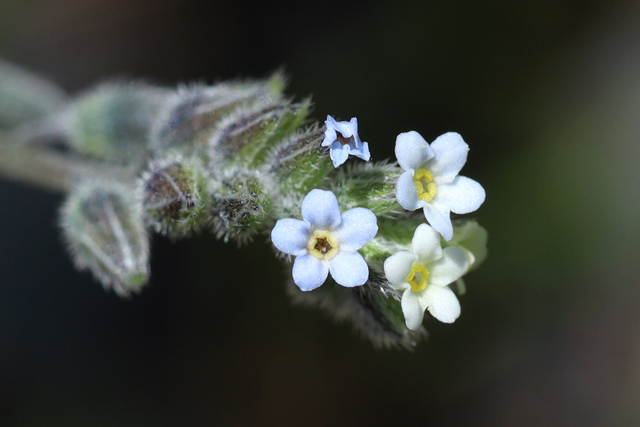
[[441, 302], [406, 192], [358, 227], [412, 309], [449, 268], [438, 216], [309, 272], [426, 244], [398, 266], [349, 269], [320, 208], [339, 153], [412, 150], [450, 156], [291, 236], [462, 195]]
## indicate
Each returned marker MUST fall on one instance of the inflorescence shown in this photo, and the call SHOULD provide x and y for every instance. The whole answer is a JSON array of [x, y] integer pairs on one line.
[[238, 160]]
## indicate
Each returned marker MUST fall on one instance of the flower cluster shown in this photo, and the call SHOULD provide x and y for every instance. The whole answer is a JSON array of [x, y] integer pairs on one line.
[[325, 241], [238, 160]]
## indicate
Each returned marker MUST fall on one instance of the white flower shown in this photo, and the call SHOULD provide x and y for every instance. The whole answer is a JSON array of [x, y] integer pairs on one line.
[[325, 241], [424, 274], [344, 140], [431, 180]]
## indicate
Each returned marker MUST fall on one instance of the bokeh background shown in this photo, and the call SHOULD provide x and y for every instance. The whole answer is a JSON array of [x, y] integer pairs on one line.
[[546, 93]]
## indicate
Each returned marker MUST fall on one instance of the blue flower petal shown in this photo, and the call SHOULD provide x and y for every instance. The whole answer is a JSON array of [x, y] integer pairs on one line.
[[358, 227], [339, 153], [320, 208], [291, 236], [349, 269], [309, 272]]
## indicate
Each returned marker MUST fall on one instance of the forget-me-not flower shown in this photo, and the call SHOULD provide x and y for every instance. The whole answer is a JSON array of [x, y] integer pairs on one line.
[[344, 140], [326, 241], [424, 275], [431, 180]]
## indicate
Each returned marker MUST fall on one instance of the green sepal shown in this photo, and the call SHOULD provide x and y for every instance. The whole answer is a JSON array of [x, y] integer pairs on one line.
[[300, 163], [368, 185], [272, 132]]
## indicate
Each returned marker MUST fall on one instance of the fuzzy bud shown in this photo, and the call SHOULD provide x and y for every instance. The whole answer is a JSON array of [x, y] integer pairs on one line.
[[241, 205], [248, 135], [299, 161], [174, 194], [104, 230], [193, 112], [25, 96], [112, 122], [368, 185]]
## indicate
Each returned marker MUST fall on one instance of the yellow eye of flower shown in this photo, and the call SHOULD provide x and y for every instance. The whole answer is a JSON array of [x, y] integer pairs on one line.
[[423, 179], [417, 278], [322, 245]]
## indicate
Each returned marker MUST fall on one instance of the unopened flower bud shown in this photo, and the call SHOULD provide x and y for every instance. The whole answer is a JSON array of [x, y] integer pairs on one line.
[[299, 161], [174, 194], [241, 205], [25, 96], [193, 112], [104, 230], [112, 122], [248, 135]]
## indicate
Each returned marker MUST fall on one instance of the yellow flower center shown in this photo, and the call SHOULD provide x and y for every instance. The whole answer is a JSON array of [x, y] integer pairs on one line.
[[322, 245], [424, 184], [417, 278]]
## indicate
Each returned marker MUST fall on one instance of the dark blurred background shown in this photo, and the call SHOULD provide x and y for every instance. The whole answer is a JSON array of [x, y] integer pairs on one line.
[[546, 93]]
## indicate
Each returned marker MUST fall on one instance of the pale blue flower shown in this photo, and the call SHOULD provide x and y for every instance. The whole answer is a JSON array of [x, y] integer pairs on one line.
[[325, 241], [431, 180], [344, 140]]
